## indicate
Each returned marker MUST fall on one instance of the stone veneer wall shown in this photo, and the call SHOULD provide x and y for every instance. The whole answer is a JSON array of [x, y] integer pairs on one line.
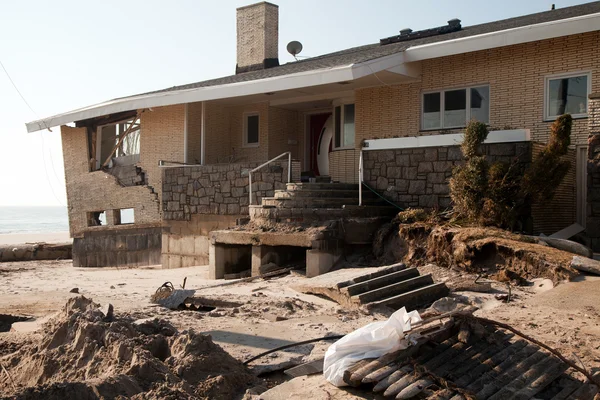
[[418, 177], [592, 228], [219, 189]]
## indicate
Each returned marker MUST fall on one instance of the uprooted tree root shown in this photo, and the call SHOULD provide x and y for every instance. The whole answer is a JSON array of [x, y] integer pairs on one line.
[[473, 249]]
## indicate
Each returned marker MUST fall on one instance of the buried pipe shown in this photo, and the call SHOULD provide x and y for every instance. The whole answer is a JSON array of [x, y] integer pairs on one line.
[[287, 346]]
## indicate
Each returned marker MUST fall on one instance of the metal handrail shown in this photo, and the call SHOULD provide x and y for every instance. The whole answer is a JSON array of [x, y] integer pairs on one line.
[[288, 153]]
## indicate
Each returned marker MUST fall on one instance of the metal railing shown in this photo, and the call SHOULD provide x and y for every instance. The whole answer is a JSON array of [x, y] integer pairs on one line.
[[289, 179]]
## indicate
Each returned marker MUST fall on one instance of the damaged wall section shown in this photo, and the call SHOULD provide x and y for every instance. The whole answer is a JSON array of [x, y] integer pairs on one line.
[[593, 174]]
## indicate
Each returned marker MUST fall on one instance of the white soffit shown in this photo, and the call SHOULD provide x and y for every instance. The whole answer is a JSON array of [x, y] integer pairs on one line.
[[451, 139], [530, 33]]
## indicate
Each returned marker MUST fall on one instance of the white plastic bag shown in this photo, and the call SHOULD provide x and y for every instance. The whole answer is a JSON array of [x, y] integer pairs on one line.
[[370, 341]]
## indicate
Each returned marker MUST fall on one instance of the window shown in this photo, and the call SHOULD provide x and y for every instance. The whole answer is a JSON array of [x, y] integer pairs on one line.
[[251, 130], [344, 126], [454, 108], [567, 94], [126, 216], [120, 142]]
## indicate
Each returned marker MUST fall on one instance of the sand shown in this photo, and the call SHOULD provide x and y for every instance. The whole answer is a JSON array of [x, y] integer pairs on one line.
[[20, 238]]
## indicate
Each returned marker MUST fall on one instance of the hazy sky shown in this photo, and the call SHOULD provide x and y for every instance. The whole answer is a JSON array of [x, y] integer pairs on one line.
[[65, 54]]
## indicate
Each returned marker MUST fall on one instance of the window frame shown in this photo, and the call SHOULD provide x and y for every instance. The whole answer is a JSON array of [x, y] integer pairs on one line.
[[342, 107], [442, 105], [118, 132], [548, 78], [245, 142]]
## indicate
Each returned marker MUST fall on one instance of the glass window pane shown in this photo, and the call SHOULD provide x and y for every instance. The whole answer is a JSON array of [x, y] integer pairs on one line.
[[337, 124], [349, 125], [431, 111], [480, 104], [567, 96], [455, 108], [252, 129]]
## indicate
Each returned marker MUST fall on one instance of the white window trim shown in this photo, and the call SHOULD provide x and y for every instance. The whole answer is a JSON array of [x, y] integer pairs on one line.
[[245, 143], [468, 106], [341, 105], [548, 78]]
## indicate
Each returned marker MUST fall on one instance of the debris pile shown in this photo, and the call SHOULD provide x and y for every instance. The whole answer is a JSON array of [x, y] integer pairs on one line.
[[87, 352], [490, 250], [462, 356]]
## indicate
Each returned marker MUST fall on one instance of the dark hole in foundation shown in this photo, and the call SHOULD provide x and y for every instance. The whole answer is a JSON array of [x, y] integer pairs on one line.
[[6, 321], [195, 307]]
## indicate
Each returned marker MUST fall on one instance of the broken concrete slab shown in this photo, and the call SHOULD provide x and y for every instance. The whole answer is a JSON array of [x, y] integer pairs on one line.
[[313, 387], [309, 368], [586, 265]]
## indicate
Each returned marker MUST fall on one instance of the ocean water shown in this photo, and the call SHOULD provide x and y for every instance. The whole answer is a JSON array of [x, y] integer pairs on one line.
[[33, 219]]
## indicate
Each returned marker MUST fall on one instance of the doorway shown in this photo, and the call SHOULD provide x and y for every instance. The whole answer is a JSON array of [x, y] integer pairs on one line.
[[320, 133]]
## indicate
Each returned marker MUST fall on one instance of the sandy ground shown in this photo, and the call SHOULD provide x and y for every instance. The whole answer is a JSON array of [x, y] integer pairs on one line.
[[20, 238], [265, 314]]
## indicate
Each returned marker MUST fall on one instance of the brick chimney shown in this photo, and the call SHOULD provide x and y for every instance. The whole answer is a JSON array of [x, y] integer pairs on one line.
[[257, 37]]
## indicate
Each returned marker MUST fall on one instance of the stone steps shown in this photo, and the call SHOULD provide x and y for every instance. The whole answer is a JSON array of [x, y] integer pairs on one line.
[[380, 281], [322, 186], [394, 289], [300, 215], [320, 193], [318, 202]]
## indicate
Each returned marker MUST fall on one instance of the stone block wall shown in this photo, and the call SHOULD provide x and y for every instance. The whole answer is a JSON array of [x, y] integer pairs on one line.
[[220, 189], [418, 177], [592, 228]]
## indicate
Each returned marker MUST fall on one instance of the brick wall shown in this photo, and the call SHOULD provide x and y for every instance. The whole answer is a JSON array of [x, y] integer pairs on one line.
[[220, 189], [593, 174], [98, 191], [194, 132], [418, 177], [343, 165], [284, 131], [516, 78]]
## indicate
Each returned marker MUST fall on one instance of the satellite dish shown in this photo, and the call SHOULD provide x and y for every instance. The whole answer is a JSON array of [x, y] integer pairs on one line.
[[294, 47]]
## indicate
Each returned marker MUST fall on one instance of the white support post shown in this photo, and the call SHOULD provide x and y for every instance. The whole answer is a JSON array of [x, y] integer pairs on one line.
[[185, 135], [203, 134]]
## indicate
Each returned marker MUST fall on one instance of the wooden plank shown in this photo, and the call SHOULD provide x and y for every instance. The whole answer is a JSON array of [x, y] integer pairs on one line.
[[360, 364], [567, 390], [309, 368], [391, 379], [381, 373], [525, 375], [542, 382]]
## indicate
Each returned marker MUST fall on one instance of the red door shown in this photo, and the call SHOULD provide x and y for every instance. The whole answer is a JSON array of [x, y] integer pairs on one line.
[[316, 124]]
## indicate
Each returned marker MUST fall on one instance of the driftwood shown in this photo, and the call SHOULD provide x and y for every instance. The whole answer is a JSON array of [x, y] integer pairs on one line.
[[381, 373], [414, 389], [401, 383], [389, 380]]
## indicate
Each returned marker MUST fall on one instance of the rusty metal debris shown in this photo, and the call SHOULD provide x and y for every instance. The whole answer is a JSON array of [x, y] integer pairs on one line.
[[472, 358]]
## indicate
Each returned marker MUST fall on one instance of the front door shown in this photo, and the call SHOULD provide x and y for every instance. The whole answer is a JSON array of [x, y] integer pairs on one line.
[[316, 126]]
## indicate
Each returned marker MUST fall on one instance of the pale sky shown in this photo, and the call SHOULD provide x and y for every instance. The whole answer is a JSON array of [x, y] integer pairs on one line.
[[66, 54]]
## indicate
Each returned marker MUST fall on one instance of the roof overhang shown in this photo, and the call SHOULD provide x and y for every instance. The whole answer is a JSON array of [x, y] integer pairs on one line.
[[392, 63]]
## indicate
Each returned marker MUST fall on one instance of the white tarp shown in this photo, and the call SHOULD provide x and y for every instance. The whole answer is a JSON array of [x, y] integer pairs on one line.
[[370, 341]]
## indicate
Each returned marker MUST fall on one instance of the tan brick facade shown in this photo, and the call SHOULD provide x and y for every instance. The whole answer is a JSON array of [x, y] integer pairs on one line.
[[516, 78], [257, 33]]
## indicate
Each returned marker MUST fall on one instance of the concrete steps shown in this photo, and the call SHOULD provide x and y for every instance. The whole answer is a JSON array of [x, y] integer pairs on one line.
[[394, 287], [318, 202]]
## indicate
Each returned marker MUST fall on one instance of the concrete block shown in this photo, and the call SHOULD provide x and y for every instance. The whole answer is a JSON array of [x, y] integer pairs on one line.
[[319, 261], [174, 244], [187, 245]]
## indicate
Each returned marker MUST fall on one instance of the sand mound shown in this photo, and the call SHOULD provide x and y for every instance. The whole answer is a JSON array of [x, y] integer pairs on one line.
[[86, 354], [504, 254]]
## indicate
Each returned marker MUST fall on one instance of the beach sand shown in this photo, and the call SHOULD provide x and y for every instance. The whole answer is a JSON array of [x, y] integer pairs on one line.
[[21, 238]]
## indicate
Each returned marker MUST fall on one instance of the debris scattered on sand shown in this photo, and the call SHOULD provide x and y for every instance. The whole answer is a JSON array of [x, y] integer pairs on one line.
[[80, 355]]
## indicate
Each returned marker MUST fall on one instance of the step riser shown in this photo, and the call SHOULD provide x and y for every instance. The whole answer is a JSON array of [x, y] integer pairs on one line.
[[381, 281], [414, 299], [321, 186], [296, 194], [394, 289], [367, 277], [305, 215], [315, 203]]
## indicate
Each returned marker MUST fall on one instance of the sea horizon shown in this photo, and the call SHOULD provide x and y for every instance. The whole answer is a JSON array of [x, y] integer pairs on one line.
[[33, 219]]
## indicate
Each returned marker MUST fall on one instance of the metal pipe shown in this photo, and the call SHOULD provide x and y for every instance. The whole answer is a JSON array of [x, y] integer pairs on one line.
[[360, 177], [287, 153], [250, 186], [289, 167]]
